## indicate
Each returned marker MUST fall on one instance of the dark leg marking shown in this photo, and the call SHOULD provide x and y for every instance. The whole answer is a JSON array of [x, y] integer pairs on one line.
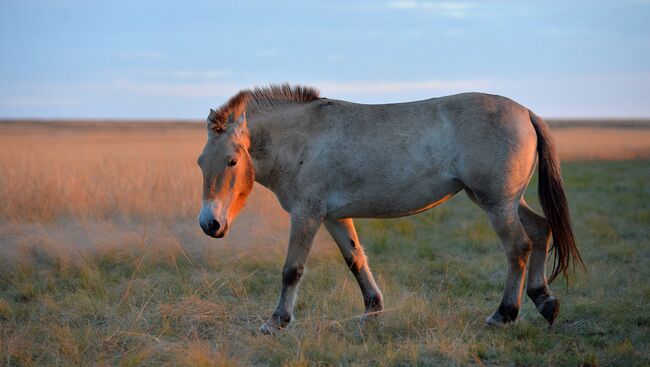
[[538, 294], [507, 313], [281, 318], [349, 261], [291, 276], [546, 304], [354, 265], [373, 302], [550, 310]]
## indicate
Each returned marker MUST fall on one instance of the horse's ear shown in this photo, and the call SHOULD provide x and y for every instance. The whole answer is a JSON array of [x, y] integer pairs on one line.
[[212, 117], [212, 121]]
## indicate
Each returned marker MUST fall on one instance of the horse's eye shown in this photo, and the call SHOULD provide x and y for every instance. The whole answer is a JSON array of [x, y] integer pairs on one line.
[[232, 163]]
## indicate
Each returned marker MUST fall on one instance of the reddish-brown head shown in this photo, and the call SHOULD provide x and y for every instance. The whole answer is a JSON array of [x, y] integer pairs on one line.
[[228, 173]]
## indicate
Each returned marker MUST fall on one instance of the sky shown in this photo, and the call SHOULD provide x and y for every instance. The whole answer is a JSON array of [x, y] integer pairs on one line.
[[175, 60]]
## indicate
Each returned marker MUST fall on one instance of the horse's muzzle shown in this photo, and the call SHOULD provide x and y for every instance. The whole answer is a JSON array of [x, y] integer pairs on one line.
[[212, 228], [209, 224]]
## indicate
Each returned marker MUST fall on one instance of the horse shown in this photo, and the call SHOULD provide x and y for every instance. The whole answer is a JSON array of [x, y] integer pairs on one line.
[[329, 161]]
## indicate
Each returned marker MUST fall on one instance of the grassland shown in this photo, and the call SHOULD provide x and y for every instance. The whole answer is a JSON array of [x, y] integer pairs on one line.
[[102, 262]]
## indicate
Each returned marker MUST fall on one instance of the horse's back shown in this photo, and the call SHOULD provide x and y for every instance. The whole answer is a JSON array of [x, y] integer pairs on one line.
[[459, 110], [401, 158], [449, 127]]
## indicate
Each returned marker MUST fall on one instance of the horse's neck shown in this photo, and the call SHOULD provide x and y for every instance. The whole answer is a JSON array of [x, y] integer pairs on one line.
[[267, 136], [260, 148]]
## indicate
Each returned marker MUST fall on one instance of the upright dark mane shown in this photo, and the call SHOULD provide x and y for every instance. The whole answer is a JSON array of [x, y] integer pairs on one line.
[[259, 98]]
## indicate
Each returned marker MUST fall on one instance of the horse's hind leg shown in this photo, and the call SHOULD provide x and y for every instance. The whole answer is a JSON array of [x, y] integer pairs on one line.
[[537, 287], [346, 238], [505, 220], [517, 247]]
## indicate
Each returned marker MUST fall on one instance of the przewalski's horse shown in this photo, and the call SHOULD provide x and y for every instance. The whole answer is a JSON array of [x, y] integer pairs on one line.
[[329, 161]]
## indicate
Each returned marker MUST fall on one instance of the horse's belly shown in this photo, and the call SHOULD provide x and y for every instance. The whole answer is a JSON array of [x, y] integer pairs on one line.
[[391, 202]]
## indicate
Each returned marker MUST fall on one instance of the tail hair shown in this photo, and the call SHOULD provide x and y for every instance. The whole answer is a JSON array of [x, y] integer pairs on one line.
[[554, 203]]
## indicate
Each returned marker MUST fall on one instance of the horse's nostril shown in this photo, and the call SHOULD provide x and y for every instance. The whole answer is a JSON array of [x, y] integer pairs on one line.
[[215, 225]]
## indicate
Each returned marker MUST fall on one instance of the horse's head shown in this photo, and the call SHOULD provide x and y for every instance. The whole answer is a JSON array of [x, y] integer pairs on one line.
[[228, 173]]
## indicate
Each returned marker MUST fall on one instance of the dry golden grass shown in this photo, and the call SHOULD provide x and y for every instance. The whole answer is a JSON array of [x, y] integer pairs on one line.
[[602, 143], [97, 173], [102, 262]]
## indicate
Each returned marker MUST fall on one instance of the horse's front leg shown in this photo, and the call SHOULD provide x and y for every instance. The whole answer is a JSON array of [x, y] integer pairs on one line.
[[346, 238], [304, 225]]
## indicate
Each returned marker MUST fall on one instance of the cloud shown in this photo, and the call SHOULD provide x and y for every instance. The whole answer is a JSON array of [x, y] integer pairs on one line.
[[68, 95], [403, 4], [586, 95], [184, 90], [214, 89], [267, 52], [197, 74], [413, 33], [453, 32], [143, 55], [451, 9], [187, 74], [334, 57], [40, 102]]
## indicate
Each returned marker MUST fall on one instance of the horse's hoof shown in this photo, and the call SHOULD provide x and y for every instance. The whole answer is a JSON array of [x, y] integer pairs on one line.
[[495, 320], [547, 305], [549, 309], [504, 315]]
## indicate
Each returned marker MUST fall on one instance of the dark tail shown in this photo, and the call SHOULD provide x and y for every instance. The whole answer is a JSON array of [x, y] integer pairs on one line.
[[554, 203]]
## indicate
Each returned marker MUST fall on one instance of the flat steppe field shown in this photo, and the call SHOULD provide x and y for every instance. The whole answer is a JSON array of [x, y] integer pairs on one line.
[[102, 262]]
